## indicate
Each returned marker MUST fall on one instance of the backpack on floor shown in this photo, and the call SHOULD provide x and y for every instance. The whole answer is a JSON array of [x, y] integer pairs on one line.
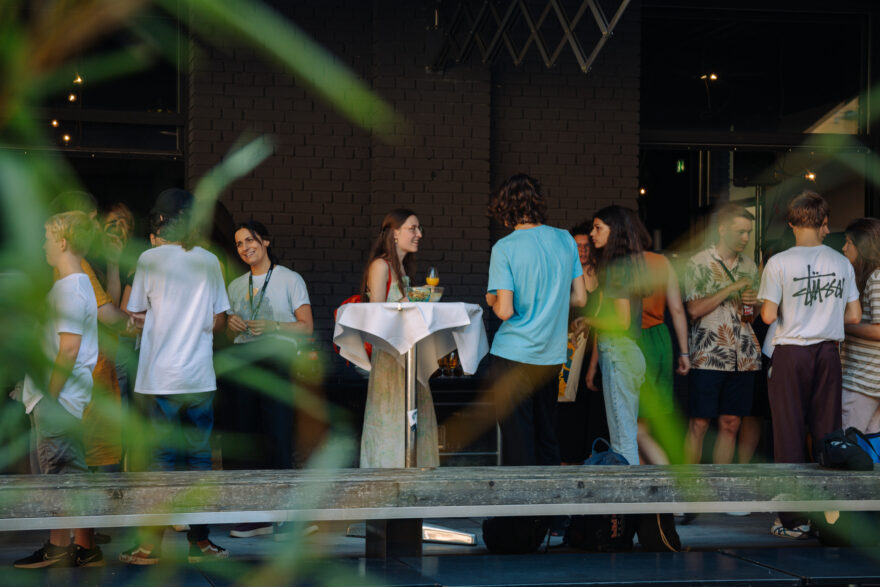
[[657, 533], [870, 443], [605, 532], [515, 534], [602, 533]]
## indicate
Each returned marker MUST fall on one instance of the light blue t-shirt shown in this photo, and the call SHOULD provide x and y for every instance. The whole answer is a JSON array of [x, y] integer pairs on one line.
[[537, 265]]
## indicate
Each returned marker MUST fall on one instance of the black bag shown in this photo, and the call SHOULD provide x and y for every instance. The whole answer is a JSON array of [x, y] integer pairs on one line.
[[606, 532], [602, 533], [515, 535], [657, 533], [839, 450]]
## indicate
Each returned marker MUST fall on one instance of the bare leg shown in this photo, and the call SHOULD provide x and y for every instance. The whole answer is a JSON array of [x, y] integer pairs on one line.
[[650, 450], [728, 426], [693, 442], [59, 537], [749, 436], [85, 537]]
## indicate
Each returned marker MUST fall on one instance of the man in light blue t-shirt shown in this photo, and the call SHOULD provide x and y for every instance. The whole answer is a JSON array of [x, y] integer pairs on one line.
[[534, 275]]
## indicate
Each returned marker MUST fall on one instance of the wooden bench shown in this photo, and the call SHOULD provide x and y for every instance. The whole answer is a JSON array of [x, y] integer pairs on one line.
[[132, 499]]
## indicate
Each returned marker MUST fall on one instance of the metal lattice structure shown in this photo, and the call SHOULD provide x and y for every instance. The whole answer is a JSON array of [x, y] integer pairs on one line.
[[489, 30]]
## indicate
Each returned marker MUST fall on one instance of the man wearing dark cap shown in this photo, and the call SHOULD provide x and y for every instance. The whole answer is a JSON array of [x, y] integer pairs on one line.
[[179, 294]]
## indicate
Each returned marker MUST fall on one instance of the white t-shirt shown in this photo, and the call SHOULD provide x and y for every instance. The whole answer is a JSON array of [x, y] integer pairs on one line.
[[72, 309], [285, 294], [181, 291], [812, 286]]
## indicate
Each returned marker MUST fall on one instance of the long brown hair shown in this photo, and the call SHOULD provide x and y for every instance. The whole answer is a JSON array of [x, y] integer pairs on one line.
[[384, 248], [865, 235], [620, 260]]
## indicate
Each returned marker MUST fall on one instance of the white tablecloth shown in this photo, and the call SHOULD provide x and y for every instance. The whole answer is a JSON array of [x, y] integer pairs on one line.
[[437, 328]]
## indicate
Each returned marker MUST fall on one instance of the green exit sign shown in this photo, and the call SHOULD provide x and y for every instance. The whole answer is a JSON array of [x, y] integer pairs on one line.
[[679, 166]]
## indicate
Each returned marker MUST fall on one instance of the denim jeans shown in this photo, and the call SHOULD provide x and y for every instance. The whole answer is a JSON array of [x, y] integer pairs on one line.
[[182, 424], [623, 372]]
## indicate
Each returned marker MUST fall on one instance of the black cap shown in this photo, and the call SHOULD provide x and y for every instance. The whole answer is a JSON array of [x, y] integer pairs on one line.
[[172, 202]]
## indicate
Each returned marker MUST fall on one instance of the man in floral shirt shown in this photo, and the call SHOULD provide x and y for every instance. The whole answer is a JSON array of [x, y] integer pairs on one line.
[[720, 293]]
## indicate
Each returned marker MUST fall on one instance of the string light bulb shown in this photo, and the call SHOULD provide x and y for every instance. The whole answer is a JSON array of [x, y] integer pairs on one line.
[[77, 79], [65, 138], [54, 123], [642, 191], [709, 76], [810, 176], [71, 97]]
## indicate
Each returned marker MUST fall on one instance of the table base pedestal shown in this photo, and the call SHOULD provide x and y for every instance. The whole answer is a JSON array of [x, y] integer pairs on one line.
[[392, 538]]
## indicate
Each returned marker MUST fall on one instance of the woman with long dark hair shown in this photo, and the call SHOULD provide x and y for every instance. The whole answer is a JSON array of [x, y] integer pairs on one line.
[[860, 352], [270, 312], [386, 276], [619, 326]]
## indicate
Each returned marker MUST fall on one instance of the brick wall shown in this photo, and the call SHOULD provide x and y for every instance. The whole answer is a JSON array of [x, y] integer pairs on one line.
[[324, 192]]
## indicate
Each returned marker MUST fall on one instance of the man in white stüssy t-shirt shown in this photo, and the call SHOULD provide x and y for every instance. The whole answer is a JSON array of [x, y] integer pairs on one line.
[[811, 290]]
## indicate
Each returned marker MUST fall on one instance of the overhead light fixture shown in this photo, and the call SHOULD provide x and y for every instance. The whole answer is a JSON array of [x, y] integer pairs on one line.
[[709, 76], [54, 123], [810, 176]]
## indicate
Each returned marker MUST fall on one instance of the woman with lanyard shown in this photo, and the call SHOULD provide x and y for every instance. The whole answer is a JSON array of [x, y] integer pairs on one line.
[[270, 309]]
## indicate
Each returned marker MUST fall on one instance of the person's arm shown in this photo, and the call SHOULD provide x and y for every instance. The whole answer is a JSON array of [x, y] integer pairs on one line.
[[110, 315], [114, 283], [853, 313], [68, 349], [219, 322], [701, 306], [377, 280], [578, 292], [769, 311], [304, 323], [491, 299], [866, 331], [679, 319], [503, 306], [235, 325]]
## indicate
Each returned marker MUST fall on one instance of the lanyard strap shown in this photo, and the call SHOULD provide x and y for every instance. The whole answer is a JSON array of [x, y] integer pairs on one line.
[[262, 291], [726, 270]]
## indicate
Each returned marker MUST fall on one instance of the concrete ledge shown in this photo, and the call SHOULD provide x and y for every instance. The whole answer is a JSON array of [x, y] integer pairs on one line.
[[128, 499]]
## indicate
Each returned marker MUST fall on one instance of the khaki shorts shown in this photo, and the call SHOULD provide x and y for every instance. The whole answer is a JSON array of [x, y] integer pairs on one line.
[[57, 440]]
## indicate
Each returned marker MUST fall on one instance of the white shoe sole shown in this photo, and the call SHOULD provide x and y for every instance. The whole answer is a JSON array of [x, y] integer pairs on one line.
[[262, 531]]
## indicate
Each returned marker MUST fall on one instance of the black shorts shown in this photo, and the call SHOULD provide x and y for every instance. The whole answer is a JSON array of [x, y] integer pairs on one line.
[[716, 393]]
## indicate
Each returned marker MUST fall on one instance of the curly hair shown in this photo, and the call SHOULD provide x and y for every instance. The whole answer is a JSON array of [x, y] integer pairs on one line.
[[865, 235], [519, 200], [383, 248]]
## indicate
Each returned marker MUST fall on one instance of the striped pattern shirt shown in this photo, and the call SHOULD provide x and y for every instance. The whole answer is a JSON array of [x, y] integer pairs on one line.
[[861, 357]]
